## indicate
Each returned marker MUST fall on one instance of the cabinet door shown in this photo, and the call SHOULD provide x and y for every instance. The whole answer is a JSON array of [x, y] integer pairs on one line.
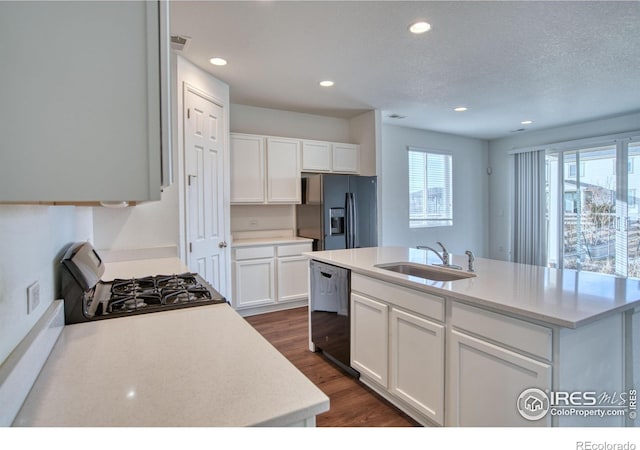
[[247, 169], [254, 283], [283, 170], [485, 382], [81, 121], [417, 363], [293, 278], [316, 156], [369, 338], [346, 158]]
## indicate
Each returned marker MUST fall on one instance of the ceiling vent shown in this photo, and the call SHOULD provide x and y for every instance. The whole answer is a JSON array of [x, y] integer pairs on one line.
[[517, 131], [180, 43], [396, 116]]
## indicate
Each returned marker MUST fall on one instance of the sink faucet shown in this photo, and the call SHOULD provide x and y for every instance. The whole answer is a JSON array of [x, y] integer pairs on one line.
[[444, 257], [471, 259]]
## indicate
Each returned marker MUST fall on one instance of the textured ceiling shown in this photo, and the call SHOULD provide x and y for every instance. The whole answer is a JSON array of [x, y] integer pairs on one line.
[[554, 63]]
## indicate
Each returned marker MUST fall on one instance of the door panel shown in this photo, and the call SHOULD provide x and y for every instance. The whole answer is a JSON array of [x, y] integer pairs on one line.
[[204, 146]]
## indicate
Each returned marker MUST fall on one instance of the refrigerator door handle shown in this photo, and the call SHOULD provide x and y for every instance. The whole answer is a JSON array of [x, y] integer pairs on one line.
[[354, 221], [351, 221], [347, 221]]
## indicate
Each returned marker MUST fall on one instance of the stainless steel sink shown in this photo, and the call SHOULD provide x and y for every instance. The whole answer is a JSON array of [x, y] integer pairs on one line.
[[426, 272]]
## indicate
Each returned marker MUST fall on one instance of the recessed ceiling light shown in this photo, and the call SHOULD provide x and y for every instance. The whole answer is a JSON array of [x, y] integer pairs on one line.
[[326, 83], [419, 27], [218, 61], [460, 109], [526, 122]]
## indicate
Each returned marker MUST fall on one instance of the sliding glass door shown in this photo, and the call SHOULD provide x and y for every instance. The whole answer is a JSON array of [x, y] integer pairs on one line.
[[593, 209]]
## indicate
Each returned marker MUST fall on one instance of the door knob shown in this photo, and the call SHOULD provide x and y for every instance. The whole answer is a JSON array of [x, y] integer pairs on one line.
[[222, 244]]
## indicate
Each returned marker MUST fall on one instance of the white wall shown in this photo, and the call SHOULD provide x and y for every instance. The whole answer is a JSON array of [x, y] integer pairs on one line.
[[275, 122], [365, 130], [470, 191], [32, 239], [500, 182]]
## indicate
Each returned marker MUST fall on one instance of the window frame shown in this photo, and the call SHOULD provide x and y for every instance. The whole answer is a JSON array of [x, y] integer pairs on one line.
[[431, 222]]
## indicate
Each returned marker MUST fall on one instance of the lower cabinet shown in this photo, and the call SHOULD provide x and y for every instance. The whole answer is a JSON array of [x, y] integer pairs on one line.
[[370, 338], [254, 283], [293, 278], [417, 363], [269, 277], [398, 352], [486, 381]]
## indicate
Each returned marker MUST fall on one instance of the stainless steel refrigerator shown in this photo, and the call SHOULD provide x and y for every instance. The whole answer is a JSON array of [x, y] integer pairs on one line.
[[338, 211]]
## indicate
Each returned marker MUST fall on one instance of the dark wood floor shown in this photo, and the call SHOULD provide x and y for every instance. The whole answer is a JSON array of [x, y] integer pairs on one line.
[[352, 403]]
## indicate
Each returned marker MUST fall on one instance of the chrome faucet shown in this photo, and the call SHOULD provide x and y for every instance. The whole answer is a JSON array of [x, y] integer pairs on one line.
[[444, 256], [471, 260]]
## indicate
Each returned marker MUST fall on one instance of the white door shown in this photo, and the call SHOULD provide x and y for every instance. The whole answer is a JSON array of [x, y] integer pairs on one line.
[[204, 163]]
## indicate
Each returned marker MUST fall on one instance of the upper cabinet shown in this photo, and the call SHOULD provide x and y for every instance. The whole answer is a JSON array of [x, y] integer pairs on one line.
[[264, 169], [247, 169], [321, 156], [283, 170], [84, 114]]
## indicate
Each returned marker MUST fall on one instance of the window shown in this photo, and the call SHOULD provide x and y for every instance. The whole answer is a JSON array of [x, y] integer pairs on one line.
[[430, 189]]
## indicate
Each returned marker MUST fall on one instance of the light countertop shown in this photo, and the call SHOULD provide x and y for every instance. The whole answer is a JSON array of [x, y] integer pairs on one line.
[[201, 366], [244, 242], [565, 298]]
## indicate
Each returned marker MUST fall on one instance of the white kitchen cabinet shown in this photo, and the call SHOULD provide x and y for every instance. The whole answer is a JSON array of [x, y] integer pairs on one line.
[[247, 169], [283, 170], [270, 277], [346, 158], [321, 156], [254, 277], [316, 156], [264, 170], [370, 338], [486, 380], [417, 363], [84, 111], [293, 276]]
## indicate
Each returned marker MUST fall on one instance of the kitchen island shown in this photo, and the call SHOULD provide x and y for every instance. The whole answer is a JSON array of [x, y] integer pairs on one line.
[[199, 366], [461, 353]]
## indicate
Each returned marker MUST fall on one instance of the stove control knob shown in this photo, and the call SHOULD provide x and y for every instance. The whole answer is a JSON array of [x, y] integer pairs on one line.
[[222, 244]]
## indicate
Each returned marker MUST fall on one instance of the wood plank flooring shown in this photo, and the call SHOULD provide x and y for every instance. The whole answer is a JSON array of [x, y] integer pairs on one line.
[[352, 404]]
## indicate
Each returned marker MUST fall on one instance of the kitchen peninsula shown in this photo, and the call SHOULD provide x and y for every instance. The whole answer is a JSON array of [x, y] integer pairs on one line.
[[460, 353]]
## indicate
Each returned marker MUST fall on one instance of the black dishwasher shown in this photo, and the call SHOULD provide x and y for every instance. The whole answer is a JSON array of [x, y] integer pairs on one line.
[[329, 311]]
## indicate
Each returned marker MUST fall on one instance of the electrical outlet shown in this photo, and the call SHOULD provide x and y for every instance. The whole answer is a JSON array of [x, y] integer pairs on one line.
[[33, 297]]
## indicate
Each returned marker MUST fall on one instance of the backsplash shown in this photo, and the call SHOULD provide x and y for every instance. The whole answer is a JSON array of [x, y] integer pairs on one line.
[[31, 241], [262, 217]]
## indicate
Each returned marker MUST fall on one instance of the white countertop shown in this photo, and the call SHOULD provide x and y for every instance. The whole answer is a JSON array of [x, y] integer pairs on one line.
[[565, 298], [201, 366], [269, 241]]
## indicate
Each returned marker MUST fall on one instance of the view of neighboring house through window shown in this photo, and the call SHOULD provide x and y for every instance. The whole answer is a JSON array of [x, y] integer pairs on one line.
[[593, 221], [430, 188]]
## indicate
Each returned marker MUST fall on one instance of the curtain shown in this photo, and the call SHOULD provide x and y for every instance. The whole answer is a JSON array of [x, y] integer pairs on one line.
[[530, 237]]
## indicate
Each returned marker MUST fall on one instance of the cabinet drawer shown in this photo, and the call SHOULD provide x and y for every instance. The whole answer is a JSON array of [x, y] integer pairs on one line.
[[420, 302], [254, 252], [519, 334], [293, 250]]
